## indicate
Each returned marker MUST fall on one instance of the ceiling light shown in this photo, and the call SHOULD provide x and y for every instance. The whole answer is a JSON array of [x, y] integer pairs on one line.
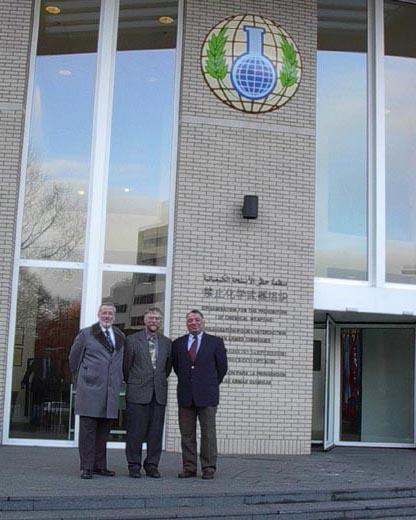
[[64, 72], [81, 192], [165, 19], [126, 190], [52, 9]]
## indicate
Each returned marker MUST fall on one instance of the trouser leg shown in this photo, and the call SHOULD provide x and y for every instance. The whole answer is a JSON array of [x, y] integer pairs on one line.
[[187, 426], [137, 425], [154, 434], [208, 451], [103, 431], [86, 443]]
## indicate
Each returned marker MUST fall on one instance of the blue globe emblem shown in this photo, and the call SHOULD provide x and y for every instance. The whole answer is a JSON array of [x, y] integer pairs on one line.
[[253, 76]]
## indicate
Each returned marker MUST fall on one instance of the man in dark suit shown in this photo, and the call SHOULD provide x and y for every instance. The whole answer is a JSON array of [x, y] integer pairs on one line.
[[200, 362], [147, 365], [96, 363]]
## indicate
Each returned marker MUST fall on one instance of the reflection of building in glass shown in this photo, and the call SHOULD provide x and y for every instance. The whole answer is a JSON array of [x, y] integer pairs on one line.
[[152, 246], [133, 294]]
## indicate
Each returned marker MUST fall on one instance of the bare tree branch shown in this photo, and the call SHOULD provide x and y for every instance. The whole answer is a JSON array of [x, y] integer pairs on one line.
[[53, 221]]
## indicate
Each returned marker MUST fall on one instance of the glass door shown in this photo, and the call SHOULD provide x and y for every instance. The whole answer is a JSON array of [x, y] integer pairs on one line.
[[318, 385], [329, 431]]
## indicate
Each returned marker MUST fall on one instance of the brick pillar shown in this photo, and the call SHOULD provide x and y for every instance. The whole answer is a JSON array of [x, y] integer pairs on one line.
[[224, 154]]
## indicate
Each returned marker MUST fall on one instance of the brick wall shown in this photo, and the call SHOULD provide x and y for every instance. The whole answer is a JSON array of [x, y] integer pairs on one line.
[[224, 154], [16, 23]]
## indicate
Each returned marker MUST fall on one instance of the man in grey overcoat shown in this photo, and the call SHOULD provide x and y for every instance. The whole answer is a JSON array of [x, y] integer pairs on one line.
[[147, 365], [96, 363]]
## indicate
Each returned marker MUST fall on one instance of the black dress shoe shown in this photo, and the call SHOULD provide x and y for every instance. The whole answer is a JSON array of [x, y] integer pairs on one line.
[[134, 473], [187, 474], [152, 472], [207, 475], [86, 474], [104, 472]]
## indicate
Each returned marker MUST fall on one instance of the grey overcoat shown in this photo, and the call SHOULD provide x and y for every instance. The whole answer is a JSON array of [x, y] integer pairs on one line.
[[139, 375], [97, 372]]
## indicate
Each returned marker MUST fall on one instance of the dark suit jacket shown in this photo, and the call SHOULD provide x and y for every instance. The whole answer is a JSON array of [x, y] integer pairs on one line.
[[199, 384], [97, 372], [138, 371]]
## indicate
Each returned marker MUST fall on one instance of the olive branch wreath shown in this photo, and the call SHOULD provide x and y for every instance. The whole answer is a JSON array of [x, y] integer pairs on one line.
[[288, 71], [215, 65]]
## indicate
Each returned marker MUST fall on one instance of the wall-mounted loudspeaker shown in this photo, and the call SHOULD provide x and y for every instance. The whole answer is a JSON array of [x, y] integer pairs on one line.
[[250, 206]]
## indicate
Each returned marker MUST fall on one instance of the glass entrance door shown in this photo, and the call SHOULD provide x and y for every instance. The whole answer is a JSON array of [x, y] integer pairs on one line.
[[377, 375], [329, 431], [318, 385]]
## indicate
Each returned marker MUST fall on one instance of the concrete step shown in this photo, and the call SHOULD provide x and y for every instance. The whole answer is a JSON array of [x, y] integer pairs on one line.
[[302, 509], [391, 508], [141, 501]]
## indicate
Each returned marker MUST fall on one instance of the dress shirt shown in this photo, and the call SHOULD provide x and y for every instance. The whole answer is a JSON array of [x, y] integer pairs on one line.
[[111, 331], [191, 340], [155, 339]]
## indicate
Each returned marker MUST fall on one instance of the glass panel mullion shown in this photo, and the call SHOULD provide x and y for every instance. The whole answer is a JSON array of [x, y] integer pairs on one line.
[[135, 268], [51, 264], [377, 186], [99, 160]]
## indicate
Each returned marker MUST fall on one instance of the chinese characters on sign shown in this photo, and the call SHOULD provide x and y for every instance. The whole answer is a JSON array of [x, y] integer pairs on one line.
[[249, 311]]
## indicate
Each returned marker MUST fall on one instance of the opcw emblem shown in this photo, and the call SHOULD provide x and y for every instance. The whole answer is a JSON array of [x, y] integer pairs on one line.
[[251, 63]]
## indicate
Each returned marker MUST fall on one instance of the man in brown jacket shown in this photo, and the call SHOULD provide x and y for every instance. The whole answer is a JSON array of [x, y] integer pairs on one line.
[[147, 365]]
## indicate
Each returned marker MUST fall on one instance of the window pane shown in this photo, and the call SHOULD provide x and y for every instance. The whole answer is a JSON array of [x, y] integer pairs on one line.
[[48, 311], [60, 133], [400, 81], [341, 170], [140, 161], [132, 294]]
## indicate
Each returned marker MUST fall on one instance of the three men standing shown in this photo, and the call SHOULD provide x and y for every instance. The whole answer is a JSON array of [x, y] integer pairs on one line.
[[147, 365], [95, 361], [200, 362]]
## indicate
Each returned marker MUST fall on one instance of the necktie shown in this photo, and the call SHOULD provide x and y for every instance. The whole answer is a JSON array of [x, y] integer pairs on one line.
[[152, 350], [194, 349], [108, 338]]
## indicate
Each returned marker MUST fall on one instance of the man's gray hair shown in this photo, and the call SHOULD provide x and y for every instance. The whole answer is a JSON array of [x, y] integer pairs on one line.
[[107, 304]]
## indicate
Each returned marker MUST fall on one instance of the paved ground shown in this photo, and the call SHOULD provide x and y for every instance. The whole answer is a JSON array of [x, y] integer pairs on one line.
[[37, 472]]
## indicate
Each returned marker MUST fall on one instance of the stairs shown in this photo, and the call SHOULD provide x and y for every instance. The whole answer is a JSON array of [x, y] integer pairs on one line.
[[386, 503]]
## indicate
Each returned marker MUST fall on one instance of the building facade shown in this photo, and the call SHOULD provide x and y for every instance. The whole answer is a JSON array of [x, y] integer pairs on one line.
[[130, 138]]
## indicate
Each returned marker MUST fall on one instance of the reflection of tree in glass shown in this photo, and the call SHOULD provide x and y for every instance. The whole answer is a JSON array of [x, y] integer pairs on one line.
[[53, 221], [31, 293], [50, 322], [44, 314]]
